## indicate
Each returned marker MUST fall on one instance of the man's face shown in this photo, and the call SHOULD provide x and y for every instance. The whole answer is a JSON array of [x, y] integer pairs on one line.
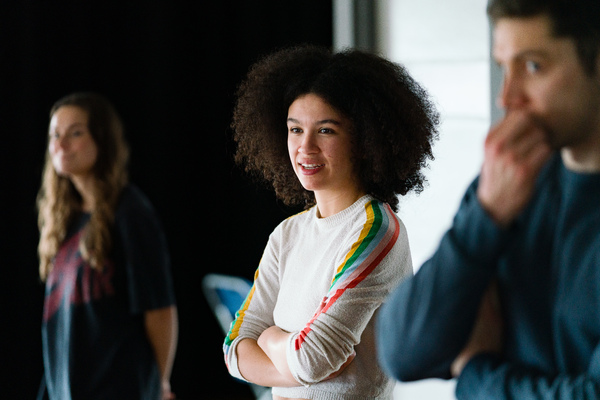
[[543, 76]]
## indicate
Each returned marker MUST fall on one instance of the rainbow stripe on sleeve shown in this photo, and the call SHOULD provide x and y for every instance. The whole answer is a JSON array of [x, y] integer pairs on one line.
[[234, 330], [378, 236]]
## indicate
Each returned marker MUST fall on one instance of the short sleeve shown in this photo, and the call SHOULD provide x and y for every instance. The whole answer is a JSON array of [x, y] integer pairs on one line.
[[144, 253]]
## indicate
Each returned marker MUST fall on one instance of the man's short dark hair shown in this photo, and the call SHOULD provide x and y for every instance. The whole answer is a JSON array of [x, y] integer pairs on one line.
[[575, 19]]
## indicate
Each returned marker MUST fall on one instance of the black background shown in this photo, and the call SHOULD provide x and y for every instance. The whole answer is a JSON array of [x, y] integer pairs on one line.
[[171, 69]]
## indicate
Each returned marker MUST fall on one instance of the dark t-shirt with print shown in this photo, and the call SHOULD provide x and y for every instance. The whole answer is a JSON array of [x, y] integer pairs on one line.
[[94, 341]]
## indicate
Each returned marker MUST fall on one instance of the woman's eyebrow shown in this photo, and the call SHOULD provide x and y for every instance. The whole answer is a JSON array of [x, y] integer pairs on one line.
[[70, 127], [323, 121], [329, 121]]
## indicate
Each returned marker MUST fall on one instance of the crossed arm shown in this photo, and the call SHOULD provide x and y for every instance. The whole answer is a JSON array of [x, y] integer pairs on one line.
[[264, 362], [450, 293], [259, 367], [255, 349]]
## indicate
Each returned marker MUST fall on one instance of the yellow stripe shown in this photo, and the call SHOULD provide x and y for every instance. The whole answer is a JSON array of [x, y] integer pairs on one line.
[[363, 234], [239, 317]]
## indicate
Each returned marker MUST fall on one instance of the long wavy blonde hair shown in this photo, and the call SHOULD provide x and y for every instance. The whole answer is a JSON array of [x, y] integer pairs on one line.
[[59, 202]]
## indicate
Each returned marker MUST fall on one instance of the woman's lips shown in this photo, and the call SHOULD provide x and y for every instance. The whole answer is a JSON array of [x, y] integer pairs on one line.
[[310, 169]]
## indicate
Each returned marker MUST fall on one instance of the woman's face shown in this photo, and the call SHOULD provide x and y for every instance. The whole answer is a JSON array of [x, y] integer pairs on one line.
[[320, 147], [71, 146]]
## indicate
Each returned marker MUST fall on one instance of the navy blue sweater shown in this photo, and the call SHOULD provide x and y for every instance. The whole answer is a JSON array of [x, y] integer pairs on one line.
[[547, 265]]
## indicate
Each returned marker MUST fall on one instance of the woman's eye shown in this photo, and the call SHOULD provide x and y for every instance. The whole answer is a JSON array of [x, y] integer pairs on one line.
[[295, 130], [325, 130]]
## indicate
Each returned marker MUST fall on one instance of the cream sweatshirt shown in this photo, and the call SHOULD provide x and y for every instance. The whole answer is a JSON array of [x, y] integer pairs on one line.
[[323, 279]]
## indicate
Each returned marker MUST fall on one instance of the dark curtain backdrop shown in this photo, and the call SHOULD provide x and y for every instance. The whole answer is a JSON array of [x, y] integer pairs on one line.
[[171, 69]]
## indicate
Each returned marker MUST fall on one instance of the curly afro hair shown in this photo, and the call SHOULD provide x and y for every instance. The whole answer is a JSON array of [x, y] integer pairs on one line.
[[394, 124]]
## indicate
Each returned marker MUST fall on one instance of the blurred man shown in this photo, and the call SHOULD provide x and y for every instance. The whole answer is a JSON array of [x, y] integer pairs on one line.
[[510, 302]]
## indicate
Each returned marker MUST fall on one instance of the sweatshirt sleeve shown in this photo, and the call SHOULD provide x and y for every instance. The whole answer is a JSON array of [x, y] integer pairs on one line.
[[371, 267], [428, 318], [487, 376], [256, 313]]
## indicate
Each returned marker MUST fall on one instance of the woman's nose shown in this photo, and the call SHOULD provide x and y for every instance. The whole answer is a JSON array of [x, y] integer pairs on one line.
[[308, 144], [60, 142]]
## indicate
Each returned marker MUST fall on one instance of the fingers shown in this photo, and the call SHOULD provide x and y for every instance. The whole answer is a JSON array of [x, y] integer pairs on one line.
[[518, 138], [516, 149]]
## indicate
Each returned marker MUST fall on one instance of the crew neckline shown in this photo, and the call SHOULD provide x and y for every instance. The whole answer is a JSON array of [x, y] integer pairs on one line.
[[335, 219], [588, 181]]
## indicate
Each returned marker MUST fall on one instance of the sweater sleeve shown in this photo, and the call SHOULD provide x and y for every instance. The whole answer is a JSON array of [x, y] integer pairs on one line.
[[371, 267], [256, 313], [487, 376], [427, 320]]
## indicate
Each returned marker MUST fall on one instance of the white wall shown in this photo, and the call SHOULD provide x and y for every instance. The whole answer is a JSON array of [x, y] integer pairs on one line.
[[445, 47]]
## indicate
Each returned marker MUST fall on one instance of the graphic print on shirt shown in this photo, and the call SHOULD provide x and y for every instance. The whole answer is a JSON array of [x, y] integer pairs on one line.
[[377, 238], [75, 281]]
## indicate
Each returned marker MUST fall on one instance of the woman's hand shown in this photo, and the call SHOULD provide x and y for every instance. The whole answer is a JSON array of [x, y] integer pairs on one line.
[[273, 341], [166, 391], [255, 366]]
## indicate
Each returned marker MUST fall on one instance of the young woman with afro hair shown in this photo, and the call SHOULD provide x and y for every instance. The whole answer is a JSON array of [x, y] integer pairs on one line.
[[343, 134]]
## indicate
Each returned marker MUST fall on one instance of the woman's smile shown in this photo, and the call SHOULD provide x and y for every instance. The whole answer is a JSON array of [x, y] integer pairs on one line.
[[319, 145], [310, 169]]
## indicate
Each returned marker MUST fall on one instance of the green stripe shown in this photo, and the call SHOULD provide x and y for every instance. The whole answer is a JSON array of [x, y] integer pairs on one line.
[[377, 221]]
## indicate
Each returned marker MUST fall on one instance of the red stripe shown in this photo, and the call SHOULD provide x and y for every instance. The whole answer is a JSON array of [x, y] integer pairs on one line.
[[326, 304]]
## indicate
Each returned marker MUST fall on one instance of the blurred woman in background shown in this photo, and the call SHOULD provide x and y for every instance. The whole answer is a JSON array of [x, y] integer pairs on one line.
[[109, 326]]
